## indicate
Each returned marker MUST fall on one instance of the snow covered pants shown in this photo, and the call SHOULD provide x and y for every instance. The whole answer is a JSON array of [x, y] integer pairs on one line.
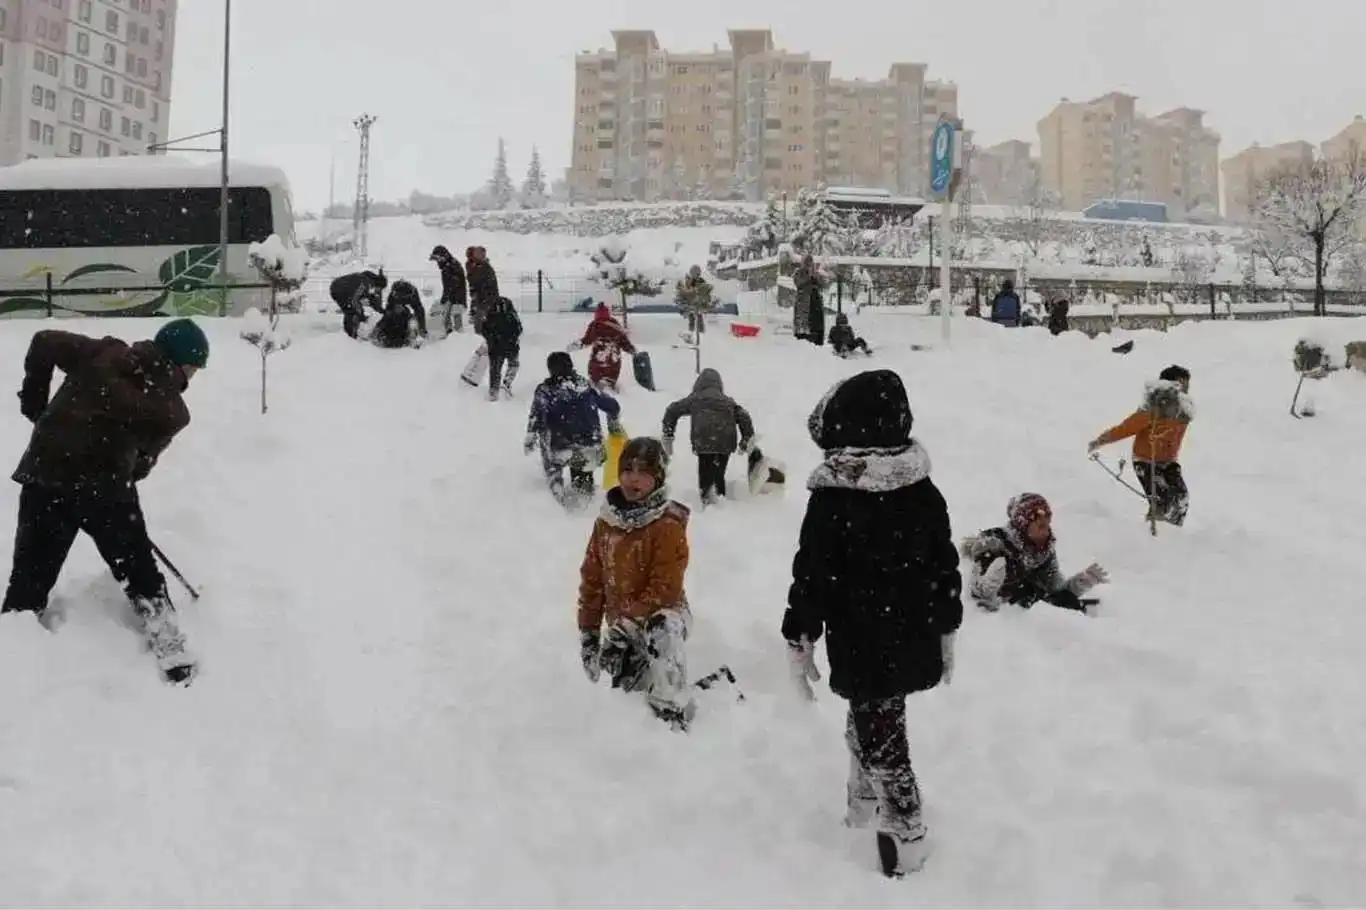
[[581, 461], [1166, 486], [882, 784], [501, 360], [650, 657], [711, 475]]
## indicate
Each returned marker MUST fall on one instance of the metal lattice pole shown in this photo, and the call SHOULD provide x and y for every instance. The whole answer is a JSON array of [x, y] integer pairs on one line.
[[360, 219]]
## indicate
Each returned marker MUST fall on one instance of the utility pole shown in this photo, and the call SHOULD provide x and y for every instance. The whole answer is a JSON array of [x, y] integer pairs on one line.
[[223, 194], [361, 217]]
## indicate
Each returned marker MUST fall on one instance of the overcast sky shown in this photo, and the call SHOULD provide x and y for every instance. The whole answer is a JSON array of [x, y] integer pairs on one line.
[[448, 77]]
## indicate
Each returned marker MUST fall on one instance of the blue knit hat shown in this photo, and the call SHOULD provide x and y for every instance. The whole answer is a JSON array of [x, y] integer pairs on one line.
[[184, 343]]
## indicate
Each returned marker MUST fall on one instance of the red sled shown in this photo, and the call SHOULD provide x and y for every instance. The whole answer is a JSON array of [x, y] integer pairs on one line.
[[744, 330]]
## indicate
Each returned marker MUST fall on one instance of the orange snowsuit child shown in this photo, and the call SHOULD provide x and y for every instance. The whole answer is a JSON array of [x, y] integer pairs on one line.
[[633, 614], [1158, 428]]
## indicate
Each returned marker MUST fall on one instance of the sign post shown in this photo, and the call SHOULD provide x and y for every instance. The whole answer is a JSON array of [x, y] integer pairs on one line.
[[945, 167]]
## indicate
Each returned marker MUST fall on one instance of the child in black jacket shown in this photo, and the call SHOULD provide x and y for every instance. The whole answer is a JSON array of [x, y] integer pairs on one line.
[[843, 340], [1018, 563], [877, 572]]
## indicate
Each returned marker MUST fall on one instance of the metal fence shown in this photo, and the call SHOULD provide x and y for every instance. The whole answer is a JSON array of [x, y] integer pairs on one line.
[[43, 297], [530, 292]]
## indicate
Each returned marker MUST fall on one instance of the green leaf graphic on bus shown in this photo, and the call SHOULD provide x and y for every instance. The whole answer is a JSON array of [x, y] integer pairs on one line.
[[190, 270], [12, 305], [203, 302], [98, 268]]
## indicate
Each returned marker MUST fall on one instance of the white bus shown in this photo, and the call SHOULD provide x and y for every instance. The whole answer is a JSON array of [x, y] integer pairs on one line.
[[133, 236]]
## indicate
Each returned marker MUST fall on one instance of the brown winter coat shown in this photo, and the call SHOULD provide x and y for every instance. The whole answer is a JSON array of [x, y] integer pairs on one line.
[[634, 565], [118, 408]]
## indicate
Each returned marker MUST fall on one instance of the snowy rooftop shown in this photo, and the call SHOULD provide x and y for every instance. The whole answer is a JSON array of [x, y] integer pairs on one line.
[[134, 172]]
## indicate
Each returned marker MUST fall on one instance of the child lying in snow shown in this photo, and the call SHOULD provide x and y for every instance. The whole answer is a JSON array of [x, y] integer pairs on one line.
[[632, 580], [1018, 563]]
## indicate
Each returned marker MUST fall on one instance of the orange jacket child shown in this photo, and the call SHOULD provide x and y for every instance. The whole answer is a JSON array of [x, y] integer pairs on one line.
[[633, 614], [1158, 428]]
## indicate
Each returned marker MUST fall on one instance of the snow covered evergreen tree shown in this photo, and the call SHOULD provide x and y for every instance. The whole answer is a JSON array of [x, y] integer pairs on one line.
[[816, 222], [501, 190], [534, 194]]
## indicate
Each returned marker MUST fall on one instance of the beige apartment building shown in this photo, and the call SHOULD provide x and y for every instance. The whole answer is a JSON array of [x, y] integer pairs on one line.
[[749, 119], [84, 78], [1243, 171], [1003, 174], [1106, 149]]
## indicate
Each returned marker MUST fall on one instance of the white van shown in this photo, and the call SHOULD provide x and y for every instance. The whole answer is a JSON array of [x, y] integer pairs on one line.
[[134, 236]]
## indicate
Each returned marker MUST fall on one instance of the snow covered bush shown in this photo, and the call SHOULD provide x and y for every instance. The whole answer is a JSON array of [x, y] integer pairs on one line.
[[264, 333], [283, 268]]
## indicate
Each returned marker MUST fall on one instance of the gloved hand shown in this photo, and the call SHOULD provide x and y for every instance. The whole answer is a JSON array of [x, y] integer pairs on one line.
[[33, 397], [970, 546], [668, 443], [1087, 579], [1092, 446], [614, 427], [142, 466], [574, 346], [801, 656], [746, 445], [986, 588], [590, 649], [946, 652], [529, 444]]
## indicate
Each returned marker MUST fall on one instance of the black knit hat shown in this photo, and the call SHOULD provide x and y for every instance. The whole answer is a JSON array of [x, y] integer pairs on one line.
[[866, 411], [560, 364], [647, 454]]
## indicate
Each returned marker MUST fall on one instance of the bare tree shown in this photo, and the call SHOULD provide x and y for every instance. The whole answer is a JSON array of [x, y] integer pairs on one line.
[[1314, 207], [1032, 220]]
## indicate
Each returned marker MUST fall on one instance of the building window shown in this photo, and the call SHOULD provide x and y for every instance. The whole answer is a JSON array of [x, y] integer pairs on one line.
[[111, 22], [161, 19], [83, 43], [77, 142], [35, 131], [3, 15], [107, 86], [39, 58], [82, 75], [156, 109], [125, 126], [129, 63], [106, 119], [78, 110], [140, 99], [85, 11], [142, 68], [49, 134], [157, 50], [127, 94], [111, 54], [51, 65], [137, 129], [151, 140], [144, 37], [37, 96], [102, 149]]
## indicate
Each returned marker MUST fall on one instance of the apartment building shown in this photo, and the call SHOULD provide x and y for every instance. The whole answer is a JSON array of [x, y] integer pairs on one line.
[[1003, 174], [748, 119], [1243, 171], [1351, 140], [1106, 149], [84, 78]]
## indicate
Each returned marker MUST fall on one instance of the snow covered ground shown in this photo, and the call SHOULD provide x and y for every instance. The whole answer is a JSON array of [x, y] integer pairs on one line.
[[391, 710]]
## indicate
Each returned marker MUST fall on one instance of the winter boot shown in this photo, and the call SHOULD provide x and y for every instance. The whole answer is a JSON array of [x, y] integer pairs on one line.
[[164, 638], [900, 856]]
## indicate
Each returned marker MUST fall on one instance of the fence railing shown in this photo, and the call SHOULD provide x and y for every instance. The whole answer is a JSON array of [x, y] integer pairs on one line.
[[530, 292], [47, 298]]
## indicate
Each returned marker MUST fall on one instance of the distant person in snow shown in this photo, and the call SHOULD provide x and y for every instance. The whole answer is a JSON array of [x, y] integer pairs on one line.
[[719, 427], [353, 292], [453, 289], [1158, 428], [1005, 307], [633, 614], [843, 340], [808, 312], [564, 425], [1018, 563], [1057, 317], [403, 322], [605, 339], [483, 284], [876, 574], [502, 331], [118, 409]]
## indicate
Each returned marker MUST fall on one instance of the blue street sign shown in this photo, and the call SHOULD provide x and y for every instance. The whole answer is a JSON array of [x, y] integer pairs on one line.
[[941, 157]]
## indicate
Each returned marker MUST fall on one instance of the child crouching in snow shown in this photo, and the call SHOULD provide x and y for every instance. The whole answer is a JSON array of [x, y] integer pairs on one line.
[[1018, 563], [843, 340], [633, 614]]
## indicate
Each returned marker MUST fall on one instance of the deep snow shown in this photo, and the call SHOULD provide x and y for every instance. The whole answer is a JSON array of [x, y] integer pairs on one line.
[[391, 710]]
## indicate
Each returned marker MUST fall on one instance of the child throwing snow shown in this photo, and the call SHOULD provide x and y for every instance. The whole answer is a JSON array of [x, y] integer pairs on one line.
[[876, 570], [1018, 563], [843, 340], [719, 426], [633, 613], [1158, 428]]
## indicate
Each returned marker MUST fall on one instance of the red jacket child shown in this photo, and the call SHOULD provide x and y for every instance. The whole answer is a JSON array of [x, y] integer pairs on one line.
[[606, 339]]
